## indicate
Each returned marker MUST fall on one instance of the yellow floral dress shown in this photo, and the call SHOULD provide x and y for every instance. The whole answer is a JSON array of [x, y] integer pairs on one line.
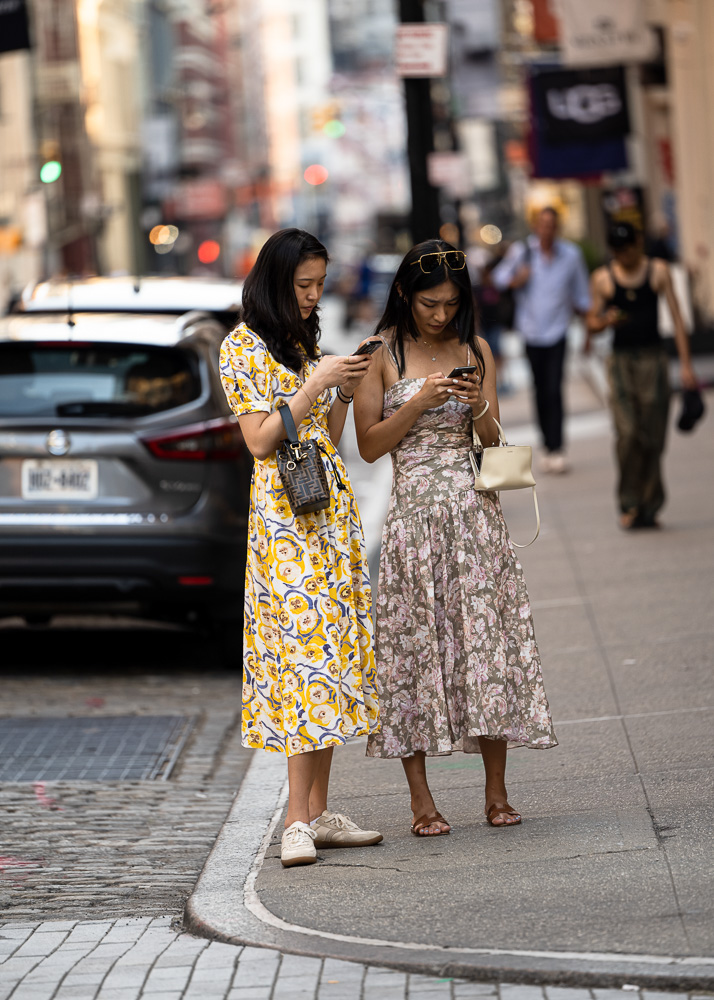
[[308, 664]]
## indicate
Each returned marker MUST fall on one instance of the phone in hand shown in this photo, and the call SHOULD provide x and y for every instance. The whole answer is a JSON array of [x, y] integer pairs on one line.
[[460, 372], [369, 347]]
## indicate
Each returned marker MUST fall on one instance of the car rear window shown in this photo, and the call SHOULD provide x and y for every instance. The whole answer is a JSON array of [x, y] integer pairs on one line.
[[107, 380]]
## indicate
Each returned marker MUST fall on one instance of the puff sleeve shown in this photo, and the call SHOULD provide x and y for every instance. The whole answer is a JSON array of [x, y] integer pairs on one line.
[[245, 373]]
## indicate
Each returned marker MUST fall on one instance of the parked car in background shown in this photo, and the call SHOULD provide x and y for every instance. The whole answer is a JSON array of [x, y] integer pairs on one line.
[[124, 478]]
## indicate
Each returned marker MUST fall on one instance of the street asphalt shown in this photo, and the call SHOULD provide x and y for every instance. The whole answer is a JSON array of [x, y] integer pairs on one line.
[[609, 881]]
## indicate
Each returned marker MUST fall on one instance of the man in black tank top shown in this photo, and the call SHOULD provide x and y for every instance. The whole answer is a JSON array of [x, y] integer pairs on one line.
[[625, 296]]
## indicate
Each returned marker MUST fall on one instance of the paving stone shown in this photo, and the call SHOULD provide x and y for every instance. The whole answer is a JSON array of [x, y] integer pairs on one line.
[[562, 993], [88, 931], [15, 968], [436, 993], [219, 954], [419, 985], [56, 925], [125, 976], [41, 944], [514, 991], [250, 993], [26, 991], [257, 968], [181, 952], [110, 993], [126, 931], [464, 990], [168, 979]]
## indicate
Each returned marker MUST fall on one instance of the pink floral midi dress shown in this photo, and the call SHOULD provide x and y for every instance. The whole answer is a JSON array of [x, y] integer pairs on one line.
[[455, 645]]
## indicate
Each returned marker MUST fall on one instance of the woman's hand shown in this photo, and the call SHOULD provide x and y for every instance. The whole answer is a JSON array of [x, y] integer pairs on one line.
[[334, 370], [435, 391], [469, 390]]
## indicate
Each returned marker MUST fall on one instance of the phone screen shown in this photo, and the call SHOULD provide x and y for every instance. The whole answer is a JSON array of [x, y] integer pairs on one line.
[[369, 348], [460, 372]]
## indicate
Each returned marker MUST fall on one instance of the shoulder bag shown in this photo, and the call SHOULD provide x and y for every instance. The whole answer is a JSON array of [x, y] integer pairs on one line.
[[504, 467], [302, 471]]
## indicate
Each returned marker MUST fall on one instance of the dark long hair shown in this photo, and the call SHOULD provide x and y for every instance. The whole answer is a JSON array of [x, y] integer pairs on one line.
[[409, 279], [270, 307]]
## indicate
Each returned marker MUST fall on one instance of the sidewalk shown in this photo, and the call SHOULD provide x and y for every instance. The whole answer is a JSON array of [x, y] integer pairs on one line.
[[610, 879]]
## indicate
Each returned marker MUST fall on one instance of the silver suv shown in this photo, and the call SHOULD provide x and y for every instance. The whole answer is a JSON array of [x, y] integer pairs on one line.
[[124, 479]]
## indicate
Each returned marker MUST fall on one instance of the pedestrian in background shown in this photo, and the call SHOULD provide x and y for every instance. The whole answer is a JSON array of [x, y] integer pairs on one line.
[[457, 662], [308, 665], [625, 295], [495, 309], [550, 281]]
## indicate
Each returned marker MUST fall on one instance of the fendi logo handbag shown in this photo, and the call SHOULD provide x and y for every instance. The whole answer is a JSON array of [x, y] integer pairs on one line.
[[504, 467], [301, 470]]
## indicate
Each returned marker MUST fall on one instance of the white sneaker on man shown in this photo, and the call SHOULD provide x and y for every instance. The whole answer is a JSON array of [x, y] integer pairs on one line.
[[297, 846], [336, 830]]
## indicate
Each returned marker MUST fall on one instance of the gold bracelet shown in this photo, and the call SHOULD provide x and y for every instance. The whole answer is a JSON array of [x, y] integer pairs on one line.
[[312, 401], [483, 411]]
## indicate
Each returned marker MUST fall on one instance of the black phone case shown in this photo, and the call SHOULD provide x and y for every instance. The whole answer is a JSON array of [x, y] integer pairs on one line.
[[367, 349], [462, 370]]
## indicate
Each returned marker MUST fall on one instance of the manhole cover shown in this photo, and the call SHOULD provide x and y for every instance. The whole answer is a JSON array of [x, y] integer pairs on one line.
[[102, 748]]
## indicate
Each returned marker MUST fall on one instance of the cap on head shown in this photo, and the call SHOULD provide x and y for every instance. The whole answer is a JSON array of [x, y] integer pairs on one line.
[[621, 235]]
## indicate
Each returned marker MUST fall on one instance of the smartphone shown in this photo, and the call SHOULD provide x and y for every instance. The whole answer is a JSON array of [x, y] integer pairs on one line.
[[369, 347], [460, 372]]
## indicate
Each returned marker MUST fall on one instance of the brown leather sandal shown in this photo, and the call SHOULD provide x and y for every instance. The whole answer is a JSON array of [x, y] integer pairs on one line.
[[502, 810], [425, 821]]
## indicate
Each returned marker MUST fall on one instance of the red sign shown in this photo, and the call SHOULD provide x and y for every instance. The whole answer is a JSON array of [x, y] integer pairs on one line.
[[421, 49], [545, 23]]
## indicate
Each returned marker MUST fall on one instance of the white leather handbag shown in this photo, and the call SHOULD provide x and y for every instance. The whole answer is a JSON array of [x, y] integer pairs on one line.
[[504, 467]]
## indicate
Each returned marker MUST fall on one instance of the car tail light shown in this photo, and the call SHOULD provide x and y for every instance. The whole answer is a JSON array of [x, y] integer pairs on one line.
[[214, 440], [195, 581]]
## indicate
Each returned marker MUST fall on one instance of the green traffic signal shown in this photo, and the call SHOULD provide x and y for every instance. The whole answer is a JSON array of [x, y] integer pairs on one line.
[[50, 171], [334, 128]]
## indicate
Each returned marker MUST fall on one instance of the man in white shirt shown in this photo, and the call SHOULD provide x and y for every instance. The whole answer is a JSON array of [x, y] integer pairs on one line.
[[550, 282]]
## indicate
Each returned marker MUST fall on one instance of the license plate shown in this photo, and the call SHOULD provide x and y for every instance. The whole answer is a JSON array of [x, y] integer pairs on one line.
[[44, 479]]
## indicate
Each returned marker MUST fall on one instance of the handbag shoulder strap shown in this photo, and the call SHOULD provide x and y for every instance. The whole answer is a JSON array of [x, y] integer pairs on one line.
[[477, 440], [537, 531], [289, 423]]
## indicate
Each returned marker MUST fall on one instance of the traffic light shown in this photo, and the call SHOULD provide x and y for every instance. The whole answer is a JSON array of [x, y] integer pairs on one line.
[[50, 171]]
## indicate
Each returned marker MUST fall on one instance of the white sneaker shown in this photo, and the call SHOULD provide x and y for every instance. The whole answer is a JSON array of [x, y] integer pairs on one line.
[[335, 830], [297, 847], [555, 462]]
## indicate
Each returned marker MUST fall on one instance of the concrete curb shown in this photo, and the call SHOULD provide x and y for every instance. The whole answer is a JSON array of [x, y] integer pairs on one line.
[[225, 906]]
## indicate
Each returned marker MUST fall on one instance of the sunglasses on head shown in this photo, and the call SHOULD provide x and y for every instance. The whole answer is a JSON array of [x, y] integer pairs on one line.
[[455, 260]]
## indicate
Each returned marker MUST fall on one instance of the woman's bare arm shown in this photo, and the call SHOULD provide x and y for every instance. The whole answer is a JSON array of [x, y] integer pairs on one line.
[[263, 432]]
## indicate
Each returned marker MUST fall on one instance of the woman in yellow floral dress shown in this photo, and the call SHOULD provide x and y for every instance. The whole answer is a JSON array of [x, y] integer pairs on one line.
[[308, 672]]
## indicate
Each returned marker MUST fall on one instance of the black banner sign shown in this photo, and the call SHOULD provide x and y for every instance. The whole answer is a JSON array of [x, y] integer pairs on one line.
[[14, 31], [581, 105]]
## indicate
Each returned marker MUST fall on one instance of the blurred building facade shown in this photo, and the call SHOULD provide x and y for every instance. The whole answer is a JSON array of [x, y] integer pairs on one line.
[[184, 131]]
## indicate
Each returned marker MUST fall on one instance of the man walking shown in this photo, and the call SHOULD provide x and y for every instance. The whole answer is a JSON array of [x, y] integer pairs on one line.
[[550, 281], [625, 297]]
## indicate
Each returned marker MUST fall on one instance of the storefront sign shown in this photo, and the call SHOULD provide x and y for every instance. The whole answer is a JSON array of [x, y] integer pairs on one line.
[[603, 32], [587, 148], [421, 49], [582, 104], [14, 32]]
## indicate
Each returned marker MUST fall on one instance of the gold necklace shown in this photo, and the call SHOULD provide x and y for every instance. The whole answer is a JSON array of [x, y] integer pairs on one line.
[[429, 346]]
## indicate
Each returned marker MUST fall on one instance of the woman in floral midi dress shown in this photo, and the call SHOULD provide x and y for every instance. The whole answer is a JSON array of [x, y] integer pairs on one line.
[[308, 667], [457, 661]]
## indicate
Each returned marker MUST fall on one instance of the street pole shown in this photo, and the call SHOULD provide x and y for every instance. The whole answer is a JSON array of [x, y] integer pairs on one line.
[[425, 218]]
